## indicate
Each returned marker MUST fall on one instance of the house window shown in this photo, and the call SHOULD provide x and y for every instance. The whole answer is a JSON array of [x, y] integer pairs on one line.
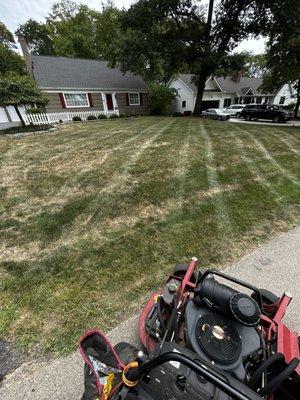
[[183, 104], [76, 100], [282, 100], [258, 100], [227, 102], [134, 99]]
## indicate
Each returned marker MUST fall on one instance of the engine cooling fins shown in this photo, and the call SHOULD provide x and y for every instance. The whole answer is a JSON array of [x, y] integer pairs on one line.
[[245, 309], [218, 338]]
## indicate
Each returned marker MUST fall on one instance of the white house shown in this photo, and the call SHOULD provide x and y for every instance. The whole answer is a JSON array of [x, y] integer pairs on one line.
[[221, 92]]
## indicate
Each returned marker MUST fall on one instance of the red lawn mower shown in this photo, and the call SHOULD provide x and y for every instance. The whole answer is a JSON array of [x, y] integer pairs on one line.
[[205, 336]]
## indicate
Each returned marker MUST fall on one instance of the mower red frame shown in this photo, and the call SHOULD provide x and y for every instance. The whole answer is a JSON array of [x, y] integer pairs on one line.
[[286, 339]]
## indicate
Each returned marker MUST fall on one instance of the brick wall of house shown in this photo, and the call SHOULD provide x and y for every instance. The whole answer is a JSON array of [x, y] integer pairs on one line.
[[124, 108], [55, 104]]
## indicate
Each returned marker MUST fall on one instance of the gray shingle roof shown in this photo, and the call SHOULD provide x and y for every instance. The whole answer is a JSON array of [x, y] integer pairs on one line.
[[241, 87], [67, 73], [227, 84], [187, 79]]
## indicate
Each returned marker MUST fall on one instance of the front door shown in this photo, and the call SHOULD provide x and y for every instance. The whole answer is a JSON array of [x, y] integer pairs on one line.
[[109, 102]]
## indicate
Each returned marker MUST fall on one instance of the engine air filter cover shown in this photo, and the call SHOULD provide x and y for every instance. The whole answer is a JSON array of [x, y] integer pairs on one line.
[[218, 338], [245, 309]]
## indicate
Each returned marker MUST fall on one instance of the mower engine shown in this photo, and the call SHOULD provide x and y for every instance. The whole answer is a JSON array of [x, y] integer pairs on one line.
[[236, 333], [204, 339]]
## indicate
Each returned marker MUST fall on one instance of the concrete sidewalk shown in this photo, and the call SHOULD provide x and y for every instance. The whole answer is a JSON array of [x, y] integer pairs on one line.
[[274, 266]]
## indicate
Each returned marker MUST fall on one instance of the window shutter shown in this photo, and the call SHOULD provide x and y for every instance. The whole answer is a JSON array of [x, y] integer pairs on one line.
[[62, 100], [127, 99], [141, 99], [90, 99]]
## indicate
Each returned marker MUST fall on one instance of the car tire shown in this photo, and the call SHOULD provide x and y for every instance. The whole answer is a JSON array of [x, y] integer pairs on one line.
[[238, 115], [247, 118], [180, 270], [220, 118], [276, 120]]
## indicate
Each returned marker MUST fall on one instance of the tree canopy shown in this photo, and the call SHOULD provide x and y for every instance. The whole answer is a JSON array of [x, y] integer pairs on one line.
[[37, 36], [6, 37], [17, 90], [16, 86], [9, 59], [161, 37], [251, 65], [73, 30], [283, 47]]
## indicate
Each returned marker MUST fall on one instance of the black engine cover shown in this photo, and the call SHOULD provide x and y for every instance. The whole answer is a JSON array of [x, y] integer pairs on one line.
[[217, 340], [175, 381]]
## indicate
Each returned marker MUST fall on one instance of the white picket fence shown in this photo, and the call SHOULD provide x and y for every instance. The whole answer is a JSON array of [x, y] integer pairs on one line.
[[67, 116]]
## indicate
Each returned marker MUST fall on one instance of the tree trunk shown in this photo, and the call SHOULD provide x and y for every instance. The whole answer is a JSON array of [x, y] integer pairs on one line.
[[200, 91], [202, 77], [298, 100]]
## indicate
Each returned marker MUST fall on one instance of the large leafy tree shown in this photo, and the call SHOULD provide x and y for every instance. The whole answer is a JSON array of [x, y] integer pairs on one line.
[[16, 86], [19, 89], [251, 65], [161, 37], [38, 37], [283, 47], [73, 30], [9, 59], [6, 37]]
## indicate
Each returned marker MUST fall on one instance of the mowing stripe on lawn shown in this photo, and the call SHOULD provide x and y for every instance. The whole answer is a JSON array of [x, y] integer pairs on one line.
[[119, 178], [213, 181], [289, 134], [283, 140], [261, 179], [267, 155], [182, 169], [110, 152], [103, 126]]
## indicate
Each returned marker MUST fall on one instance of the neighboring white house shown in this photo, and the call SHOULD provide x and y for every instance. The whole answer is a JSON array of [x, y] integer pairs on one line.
[[222, 92]]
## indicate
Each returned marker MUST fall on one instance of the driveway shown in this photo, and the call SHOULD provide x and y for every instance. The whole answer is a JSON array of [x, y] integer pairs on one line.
[[274, 266]]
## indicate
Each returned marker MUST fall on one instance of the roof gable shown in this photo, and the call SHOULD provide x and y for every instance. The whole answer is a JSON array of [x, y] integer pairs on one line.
[[75, 73], [211, 83], [245, 86]]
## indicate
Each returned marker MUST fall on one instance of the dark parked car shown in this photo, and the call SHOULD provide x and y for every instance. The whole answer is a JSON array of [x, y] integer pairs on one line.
[[265, 111], [215, 113]]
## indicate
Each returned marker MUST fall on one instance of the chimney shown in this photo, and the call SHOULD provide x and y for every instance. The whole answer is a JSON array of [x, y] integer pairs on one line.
[[236, 76], [26, 54]]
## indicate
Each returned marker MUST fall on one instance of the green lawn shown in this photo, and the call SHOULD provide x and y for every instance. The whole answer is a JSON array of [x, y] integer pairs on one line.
[[95, 215]]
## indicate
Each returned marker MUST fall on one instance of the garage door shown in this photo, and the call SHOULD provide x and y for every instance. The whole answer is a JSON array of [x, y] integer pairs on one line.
[[209, 104]]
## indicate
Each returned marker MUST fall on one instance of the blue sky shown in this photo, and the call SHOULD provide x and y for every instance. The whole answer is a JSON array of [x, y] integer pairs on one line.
[[15, 12]]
